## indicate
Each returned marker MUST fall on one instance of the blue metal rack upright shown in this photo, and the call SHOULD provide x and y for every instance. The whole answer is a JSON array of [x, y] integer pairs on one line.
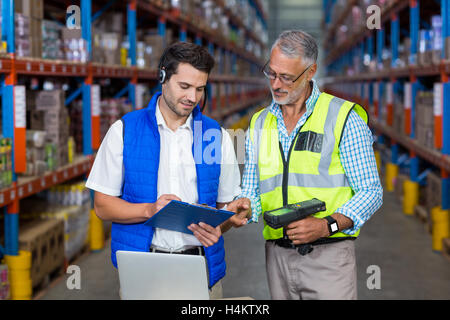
[[414, 77], [131, 29], [445, 14], [86, 14], [11, 211]]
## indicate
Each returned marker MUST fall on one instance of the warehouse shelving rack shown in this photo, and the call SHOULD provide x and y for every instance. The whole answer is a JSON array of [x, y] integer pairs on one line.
[[12, 67], [362, 43]]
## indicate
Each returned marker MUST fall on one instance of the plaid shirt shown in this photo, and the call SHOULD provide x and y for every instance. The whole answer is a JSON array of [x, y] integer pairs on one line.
[[357, 158]]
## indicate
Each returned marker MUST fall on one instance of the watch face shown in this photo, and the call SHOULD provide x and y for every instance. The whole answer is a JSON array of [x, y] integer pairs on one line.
[[334, 227]]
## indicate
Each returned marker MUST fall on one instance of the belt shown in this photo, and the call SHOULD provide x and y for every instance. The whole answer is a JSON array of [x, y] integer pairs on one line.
[[192, 251], [306, 248]]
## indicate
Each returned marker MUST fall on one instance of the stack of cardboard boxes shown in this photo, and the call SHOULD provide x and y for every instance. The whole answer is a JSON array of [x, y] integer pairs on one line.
[[74, 46], [76, 122], [36, 153], [111, 111], [56, 121], [425, 119], [49, 115], [45, 240], [5, 162], [22, 35], [51, 40], [28, 20], [64, 207], [107, 38], [150, 49], [399, 114], [433, 191], [70, 203]]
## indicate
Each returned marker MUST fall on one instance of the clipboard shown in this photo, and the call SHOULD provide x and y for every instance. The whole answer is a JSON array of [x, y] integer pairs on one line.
[[177, 216]]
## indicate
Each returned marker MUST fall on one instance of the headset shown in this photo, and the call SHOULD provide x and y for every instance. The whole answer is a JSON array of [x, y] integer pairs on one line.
[[162, 75]]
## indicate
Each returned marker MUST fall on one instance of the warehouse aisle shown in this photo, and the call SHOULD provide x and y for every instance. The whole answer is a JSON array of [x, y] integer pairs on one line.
[[396, 243]]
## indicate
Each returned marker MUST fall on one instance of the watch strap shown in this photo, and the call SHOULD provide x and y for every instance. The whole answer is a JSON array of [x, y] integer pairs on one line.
[[331, 221]]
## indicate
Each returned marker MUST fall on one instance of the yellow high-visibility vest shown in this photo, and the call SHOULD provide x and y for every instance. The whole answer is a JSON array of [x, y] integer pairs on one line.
[[313, 168]]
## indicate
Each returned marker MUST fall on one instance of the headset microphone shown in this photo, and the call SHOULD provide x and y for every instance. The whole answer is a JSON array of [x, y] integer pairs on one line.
[[162, 76]]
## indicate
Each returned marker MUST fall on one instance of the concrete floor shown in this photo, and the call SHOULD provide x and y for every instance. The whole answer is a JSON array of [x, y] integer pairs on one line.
[[396, 243]]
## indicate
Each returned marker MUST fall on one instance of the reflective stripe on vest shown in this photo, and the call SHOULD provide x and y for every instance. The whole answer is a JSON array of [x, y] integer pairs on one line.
[[313, 167]]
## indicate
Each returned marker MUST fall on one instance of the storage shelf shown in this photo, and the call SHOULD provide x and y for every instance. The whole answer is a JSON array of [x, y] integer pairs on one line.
[[239, 105], [432, 156], [59, 68], [363, 31], [5, 65], [237, 79], [333, 27], [29, 66], [238, 22], [193, 26], [27, 186], [393, 73]]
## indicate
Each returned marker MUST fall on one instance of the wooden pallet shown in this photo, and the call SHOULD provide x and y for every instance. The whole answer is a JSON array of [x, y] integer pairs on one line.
[[446, 248], [422, 214], [57, 275], [40, 288]]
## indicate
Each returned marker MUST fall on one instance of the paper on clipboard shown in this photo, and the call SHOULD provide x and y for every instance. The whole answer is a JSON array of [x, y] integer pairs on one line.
[[177, 216]]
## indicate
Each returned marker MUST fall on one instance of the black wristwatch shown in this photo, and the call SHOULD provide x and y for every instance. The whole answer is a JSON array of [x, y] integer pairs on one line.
[[332, 225]]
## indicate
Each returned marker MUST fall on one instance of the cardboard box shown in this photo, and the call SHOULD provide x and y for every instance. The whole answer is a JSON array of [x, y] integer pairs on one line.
[[32, 238], [424, 58], [30, 8], [36, 37], [37, 120], [37, 9], [436, 57], [35, 138], [399, 119], [55, 244], [23, 7], [433, 190], [70, 33], [423, 215], [398, 185], [51, 99], [110, 43], [425, 136], [447, 48], [424, 109]]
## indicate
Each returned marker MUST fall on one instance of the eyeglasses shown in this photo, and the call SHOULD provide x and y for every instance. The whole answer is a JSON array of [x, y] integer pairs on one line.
[[287, 80]]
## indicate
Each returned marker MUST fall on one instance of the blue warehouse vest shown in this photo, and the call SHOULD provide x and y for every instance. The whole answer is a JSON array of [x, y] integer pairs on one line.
[[141, 149]]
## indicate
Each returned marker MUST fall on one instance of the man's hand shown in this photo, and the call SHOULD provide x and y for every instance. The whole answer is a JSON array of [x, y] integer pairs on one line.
[[243, 212], [307, 230], [160, 203], [205, 233]]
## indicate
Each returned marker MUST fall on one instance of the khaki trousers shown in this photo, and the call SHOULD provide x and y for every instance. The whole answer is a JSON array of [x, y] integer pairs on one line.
[[328, 272], [216, 291]]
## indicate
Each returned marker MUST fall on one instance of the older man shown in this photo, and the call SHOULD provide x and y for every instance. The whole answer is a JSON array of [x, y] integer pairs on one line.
[[305, 145]]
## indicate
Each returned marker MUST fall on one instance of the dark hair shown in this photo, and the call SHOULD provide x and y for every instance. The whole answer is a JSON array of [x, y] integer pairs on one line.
[[185, 52]]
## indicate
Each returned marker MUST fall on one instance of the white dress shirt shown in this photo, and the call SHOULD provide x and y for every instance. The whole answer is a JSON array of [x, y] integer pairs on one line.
[[176, 173]]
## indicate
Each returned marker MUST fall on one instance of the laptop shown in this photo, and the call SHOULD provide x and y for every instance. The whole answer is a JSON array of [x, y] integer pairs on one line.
[[161, 276]]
